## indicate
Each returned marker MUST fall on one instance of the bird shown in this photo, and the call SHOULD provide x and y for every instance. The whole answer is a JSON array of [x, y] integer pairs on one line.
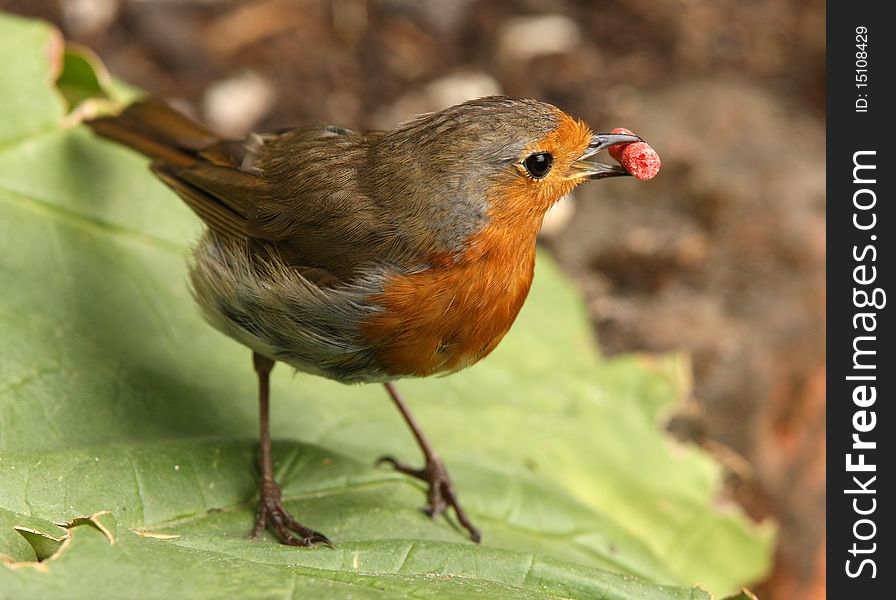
[[368, 256]]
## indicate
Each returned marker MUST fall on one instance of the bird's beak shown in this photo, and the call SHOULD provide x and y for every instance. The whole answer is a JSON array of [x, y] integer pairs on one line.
[[587, 166]]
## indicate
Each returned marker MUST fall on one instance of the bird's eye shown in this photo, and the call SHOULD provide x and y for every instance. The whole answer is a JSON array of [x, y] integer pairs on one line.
[[539, 164]]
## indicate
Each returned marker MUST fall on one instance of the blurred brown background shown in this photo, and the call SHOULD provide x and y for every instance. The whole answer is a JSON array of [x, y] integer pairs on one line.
[[722, 256]]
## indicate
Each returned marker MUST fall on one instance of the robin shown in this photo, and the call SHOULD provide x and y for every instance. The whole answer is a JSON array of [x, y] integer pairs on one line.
[[369, 256]]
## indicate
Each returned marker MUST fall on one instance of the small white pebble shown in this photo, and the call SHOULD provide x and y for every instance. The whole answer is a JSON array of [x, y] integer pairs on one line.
[[436, 95], [87, 17], [460, 87], [524, 38], [233, 106]]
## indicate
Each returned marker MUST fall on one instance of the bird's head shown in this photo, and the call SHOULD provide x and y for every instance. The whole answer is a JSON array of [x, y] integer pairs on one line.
[[509, 159]]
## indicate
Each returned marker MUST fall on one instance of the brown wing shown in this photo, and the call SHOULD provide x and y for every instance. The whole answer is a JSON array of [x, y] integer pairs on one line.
[[312, 209]]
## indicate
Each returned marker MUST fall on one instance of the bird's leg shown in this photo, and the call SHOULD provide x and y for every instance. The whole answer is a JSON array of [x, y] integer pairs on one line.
[[271, 512], [441, 491]]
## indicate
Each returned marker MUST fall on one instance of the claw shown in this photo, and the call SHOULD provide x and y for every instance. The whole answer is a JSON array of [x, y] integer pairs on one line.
[[441, 492], [272, 514]]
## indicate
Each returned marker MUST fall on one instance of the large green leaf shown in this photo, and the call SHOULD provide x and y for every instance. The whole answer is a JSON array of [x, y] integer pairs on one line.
[[126, 418]]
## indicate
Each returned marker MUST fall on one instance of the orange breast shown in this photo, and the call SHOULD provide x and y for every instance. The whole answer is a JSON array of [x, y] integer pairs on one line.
[[454, 313]]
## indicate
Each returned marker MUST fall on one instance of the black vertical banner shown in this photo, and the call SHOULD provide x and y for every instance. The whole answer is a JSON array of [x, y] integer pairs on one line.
[[861, 437]]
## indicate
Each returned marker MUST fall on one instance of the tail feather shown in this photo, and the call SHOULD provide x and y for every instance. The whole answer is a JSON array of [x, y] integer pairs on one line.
[[192, 160], [158, 131]]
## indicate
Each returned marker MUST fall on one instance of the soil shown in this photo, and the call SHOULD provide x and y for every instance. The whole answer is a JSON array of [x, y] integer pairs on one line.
[[721, 256]]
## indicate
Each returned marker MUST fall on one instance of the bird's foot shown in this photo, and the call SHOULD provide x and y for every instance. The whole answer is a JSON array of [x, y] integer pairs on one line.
[[441, 492], [271, 514]]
